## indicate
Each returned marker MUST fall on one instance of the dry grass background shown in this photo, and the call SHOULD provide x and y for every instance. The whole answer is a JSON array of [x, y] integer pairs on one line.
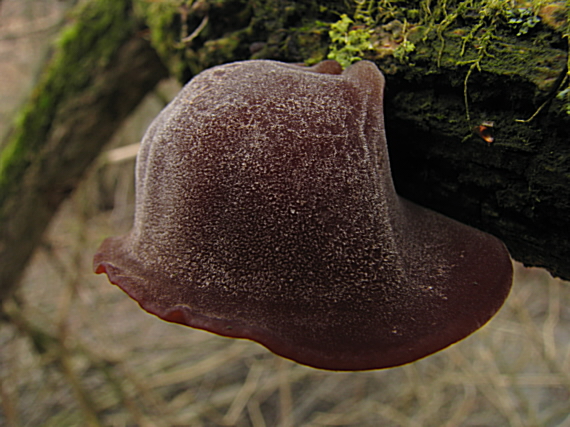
[[76, 351]]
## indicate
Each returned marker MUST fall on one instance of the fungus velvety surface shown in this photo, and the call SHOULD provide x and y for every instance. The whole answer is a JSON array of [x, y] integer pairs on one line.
[[265, 209]]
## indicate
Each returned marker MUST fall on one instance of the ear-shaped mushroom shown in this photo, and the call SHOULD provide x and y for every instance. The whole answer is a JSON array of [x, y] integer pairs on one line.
[[266, 210]]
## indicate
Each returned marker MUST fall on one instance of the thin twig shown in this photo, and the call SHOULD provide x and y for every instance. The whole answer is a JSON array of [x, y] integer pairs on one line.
[[196, 32], [557, 85], [121, 154]]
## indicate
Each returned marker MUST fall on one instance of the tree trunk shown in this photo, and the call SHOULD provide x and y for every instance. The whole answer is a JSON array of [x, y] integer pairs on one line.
[[451, 67]]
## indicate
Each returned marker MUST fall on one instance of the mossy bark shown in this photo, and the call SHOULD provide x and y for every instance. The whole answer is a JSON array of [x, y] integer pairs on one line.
[[516, 187], [450, 66], [98, 72]]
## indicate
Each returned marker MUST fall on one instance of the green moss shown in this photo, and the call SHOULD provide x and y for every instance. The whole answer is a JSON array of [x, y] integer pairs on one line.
[[214, 52], [350, 37], [403, 51], [522, 19], [284, 29], [164, 22], [470, 34], [564, 95], [488, 44], [98, 27], [349, 41], [310, 42]]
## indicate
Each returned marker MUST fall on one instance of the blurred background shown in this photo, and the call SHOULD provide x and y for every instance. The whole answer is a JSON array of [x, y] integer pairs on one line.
[[76, 351]]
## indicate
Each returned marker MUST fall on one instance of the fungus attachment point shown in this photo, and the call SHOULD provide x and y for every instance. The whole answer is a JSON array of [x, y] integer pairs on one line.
[[266, 210]]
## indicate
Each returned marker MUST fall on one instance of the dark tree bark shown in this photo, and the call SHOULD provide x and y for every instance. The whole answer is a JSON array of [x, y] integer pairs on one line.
[[451, 66]]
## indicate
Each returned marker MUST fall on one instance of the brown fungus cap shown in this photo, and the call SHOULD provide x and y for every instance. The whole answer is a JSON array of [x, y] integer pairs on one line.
[[266, 210]]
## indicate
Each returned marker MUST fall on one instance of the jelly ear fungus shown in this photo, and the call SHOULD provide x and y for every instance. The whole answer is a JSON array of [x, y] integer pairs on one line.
[[266, 210]]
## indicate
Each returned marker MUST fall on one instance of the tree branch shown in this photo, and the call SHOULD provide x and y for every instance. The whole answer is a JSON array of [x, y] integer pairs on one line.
[[97, 75]]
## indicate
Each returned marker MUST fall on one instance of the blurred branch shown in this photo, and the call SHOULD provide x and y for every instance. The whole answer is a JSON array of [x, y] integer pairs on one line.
[[98, 73], [41, 25], [121, 154]]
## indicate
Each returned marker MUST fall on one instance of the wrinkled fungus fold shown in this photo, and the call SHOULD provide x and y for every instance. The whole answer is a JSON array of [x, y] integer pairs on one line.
[[265, 210]]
